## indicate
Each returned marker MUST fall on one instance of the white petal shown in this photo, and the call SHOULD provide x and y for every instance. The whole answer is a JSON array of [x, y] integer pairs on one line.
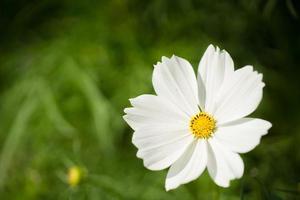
[[189, 166], [174, 79], [152, 137], [201, 92], [161, 130], [239, 95], [164, 153], [242, 135], [223, 165], [215, 66], [151, 110]]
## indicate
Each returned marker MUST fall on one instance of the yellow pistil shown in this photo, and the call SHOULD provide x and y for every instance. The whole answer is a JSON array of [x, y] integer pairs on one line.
[[202, 125]]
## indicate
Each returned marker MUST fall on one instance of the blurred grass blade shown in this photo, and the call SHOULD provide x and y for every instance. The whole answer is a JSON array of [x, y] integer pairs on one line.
[[14, 136], [263, 189], [289, 191], [96, 101], [291, 8], [242, 192], [52, 109]]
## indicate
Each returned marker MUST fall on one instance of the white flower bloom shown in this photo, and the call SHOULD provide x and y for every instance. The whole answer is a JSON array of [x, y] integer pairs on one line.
[[193, 123]]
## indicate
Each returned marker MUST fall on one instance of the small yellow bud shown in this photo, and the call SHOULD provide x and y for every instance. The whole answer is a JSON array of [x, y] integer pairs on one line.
[[74, 176]]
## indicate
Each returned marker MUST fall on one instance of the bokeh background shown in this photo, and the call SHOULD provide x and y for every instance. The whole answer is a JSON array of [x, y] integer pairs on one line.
[[68, 68]]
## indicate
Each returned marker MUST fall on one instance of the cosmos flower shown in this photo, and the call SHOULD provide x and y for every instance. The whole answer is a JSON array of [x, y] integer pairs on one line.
[[198, 123]]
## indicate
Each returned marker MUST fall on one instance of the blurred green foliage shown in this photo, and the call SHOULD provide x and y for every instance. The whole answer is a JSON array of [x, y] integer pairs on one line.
[[68, 68]]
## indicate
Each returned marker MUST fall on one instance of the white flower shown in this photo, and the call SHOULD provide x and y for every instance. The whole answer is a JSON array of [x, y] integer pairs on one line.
[[193, 123]]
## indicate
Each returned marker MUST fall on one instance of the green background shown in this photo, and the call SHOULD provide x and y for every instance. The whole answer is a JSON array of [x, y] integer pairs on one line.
[[68, 68]]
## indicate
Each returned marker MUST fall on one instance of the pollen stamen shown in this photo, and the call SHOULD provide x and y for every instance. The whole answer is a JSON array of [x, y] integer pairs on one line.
[[202, 125]]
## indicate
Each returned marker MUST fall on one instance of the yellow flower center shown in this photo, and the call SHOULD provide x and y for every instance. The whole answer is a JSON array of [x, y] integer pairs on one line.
[[203, 125]]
